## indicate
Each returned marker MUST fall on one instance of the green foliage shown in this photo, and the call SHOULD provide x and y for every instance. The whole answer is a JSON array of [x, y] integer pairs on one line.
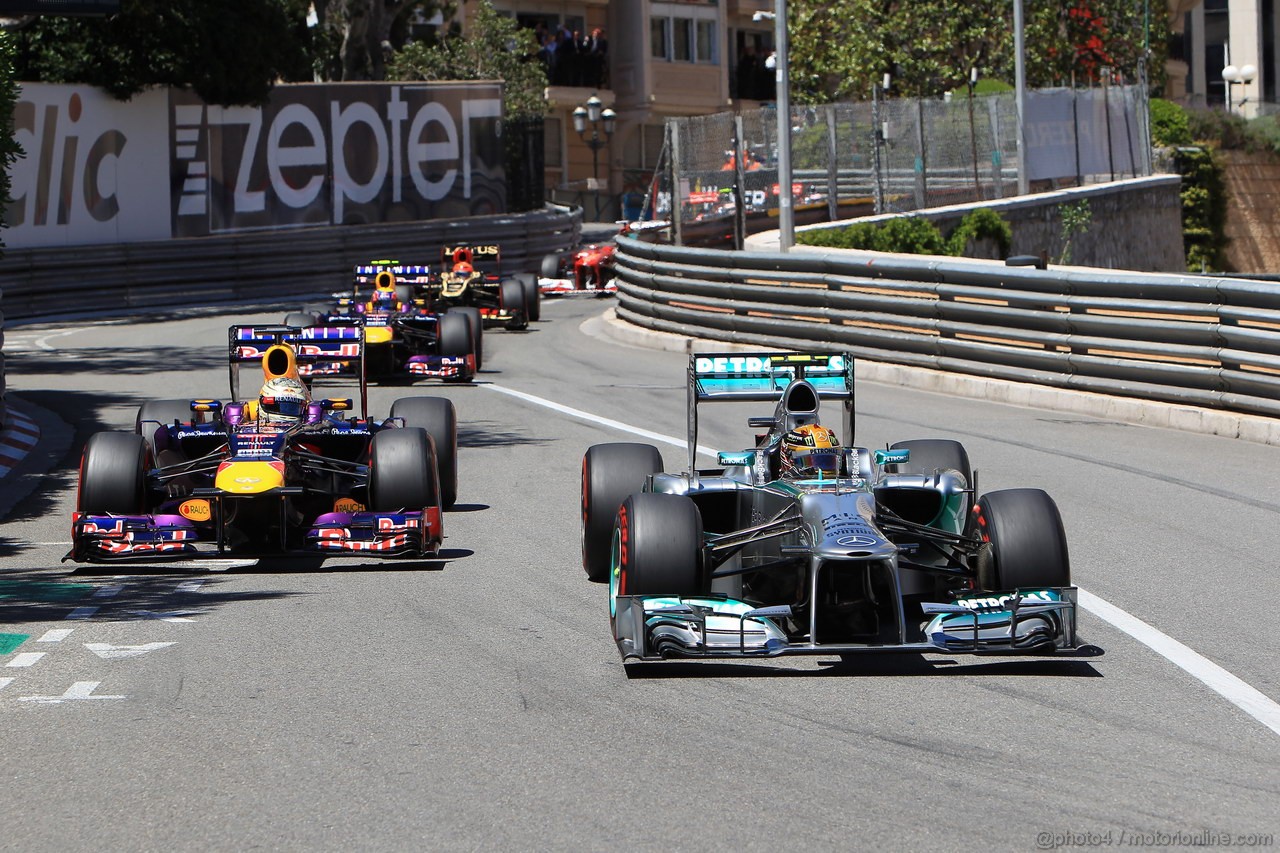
[[495, 49], [914, 235], [1076, 219], [841, 48], [230, 52], [1204, 209], [9, 148], [1170, 125], [982, 223]]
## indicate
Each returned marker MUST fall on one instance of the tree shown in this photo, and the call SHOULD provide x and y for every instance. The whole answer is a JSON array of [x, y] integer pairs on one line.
[[495, 49], [839, 49], [228, 51], [9, 149], [357, 37]]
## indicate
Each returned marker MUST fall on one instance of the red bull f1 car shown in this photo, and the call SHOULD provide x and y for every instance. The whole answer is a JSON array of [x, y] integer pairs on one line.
[[403, 334], [269, 476], [834, 549]]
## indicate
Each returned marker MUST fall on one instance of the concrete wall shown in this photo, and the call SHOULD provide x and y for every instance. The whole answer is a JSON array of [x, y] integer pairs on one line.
[[1136, 225]]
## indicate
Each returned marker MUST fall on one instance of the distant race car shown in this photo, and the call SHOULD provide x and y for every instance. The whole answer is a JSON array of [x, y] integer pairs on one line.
[[471, 276], [802, 545], [269, 475], [402, 334], [586, 272]]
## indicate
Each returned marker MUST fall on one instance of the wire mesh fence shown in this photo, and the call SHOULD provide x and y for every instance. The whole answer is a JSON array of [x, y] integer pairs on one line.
[[891, 155]]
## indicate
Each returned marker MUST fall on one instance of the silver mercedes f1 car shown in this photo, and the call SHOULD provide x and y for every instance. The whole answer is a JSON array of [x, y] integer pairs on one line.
[[862, 551]]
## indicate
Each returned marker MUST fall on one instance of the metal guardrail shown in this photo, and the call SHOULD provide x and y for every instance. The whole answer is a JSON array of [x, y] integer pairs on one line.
[[1211, 342], [265, 265]]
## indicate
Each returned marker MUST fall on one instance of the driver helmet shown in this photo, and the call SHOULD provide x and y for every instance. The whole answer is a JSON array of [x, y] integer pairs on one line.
[[283, 401], [463, 267], [810, 451]]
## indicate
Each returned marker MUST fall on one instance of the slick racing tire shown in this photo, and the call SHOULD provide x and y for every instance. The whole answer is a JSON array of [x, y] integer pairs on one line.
[[550, 266], [301, 319], [511, 296], [454, 335], [163, 412], [402, 471], [658, 545], [610, 472], [532, 296], [477, 329], [437, 416], [113, 474], [1024, 543], [929, 455]]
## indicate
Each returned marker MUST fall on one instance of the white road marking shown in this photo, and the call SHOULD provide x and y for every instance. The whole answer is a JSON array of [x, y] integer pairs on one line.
[[189, 586], [79, 691], [1236, 691], [82, 612], [25, 659], [597, 419], [1230, 687], [57, 635], [5, 682], [43, 342], [170, 616], [109, 591], [110, 652]]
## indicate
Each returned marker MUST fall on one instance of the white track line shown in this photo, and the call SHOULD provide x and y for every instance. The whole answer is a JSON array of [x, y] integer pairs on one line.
[[597, 419], [1236, 691], [25, 659], [56, 635], [1239, 693]]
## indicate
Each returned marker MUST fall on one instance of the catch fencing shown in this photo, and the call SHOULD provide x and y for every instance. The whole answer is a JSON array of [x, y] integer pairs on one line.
[[891, 155], [1202, 341]]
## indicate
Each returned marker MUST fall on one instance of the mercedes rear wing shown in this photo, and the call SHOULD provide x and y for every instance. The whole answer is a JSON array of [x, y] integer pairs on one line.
[[765, 377]]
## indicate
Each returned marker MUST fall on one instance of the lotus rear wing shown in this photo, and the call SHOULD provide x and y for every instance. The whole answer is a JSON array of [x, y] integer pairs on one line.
[[765, 377], [310, 345], [485, 257]]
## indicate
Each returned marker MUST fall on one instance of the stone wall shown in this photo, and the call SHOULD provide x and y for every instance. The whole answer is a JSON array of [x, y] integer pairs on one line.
[[1136, 224], [1253, 196]]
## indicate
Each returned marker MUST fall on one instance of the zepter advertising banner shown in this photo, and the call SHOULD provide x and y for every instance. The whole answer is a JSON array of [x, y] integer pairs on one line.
[[337, 154], [92, 169], [164, 164]]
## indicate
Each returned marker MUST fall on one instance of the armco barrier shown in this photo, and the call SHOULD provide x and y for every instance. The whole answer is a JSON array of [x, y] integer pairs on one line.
[[1211, 342], [265, 265]]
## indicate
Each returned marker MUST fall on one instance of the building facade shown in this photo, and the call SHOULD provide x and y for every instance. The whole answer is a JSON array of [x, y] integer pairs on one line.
[[661, 58]]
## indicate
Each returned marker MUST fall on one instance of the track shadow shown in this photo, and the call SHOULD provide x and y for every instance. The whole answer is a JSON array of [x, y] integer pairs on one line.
[[866, 666], [489, 435], [467, 508], [352, 564], [43, 596], [116, 361]]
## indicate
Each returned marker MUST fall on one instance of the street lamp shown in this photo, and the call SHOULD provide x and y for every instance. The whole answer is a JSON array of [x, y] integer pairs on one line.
[[1244, 76], [592, 112], [786, 213]]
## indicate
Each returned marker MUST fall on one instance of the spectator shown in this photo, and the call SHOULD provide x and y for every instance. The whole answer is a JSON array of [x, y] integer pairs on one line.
[[566, 56], [597, 58]]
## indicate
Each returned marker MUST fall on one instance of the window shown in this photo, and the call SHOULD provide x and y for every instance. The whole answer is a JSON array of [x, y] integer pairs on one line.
[[706, 43], [682, 40], [681, 33], [658, 30]]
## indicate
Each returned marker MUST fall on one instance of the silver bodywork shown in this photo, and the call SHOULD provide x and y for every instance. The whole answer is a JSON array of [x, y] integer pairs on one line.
[[846, 573]]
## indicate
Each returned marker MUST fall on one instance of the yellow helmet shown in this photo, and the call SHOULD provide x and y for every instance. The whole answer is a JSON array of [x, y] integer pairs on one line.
[[810, 450]]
